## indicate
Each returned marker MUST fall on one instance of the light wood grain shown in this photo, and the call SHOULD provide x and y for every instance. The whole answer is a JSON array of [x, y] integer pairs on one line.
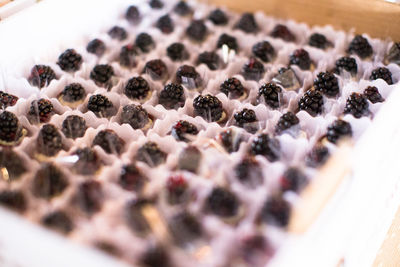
[[3, 2], [389, 253], [375, 17]]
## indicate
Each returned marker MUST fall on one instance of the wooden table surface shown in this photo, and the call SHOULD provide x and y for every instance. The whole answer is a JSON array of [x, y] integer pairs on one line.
[[3, 2], [379, 18], [389, 253]]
